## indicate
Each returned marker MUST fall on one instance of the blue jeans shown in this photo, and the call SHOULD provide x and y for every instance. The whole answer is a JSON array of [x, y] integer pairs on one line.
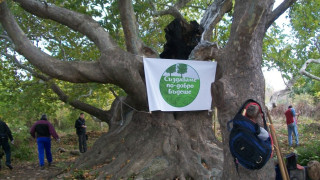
[[44, 143], [292, 128]]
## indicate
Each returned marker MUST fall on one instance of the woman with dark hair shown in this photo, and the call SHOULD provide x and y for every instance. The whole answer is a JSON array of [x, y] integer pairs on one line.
[[42, 130]]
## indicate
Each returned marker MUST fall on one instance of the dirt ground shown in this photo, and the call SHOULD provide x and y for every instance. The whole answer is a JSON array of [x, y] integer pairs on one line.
[[31, 171], [62, 161], [60, 165]]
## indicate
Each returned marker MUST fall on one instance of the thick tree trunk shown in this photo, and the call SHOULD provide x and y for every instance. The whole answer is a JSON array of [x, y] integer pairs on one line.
[[161, 145], [242, 79]]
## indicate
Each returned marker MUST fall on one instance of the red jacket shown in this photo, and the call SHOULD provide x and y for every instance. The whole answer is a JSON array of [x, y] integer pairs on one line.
[[289, 116]]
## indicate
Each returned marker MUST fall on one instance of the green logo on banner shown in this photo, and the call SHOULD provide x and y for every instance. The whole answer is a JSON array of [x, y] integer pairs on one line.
[[179, 85]]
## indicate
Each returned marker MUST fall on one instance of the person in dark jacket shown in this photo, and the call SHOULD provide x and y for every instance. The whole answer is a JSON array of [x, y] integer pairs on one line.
[[6, 134], [42, 130], [80, 126]]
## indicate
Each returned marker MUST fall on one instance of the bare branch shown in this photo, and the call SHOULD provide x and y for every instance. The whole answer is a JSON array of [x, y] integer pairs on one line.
[[278, 11], [304, 67], [212, 16], [172, 10], [86, 95]]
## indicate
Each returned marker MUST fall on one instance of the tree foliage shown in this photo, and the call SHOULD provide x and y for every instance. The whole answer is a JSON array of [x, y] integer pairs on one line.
[[287, 50]]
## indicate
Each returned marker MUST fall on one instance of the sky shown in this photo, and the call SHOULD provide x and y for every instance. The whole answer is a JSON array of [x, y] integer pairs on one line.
[[273, 77]]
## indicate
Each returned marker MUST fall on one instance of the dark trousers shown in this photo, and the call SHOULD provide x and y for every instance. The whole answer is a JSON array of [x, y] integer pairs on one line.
[[44, 144], [6, 148], [82, 142]]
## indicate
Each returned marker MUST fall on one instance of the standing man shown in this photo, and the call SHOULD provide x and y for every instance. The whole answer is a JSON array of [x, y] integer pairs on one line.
[[5, 134], [80, 125], [43, 129], [292, 125]]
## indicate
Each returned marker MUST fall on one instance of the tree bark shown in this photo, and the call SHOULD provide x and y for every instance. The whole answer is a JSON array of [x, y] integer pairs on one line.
[[160, 145], [242, 77]]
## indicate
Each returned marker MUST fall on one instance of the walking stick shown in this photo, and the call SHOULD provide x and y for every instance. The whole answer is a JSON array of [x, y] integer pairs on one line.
[[283, 169]]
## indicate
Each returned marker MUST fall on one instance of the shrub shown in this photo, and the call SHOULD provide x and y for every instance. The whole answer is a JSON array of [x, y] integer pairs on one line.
[[308, 153], [21, 149]]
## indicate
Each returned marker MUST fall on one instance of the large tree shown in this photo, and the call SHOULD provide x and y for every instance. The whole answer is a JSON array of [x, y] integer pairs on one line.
[[158, 144]]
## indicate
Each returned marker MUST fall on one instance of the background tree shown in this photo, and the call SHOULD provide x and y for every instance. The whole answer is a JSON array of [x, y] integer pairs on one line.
[[182, 69], [162, 144], [171, 69], [292, 48]]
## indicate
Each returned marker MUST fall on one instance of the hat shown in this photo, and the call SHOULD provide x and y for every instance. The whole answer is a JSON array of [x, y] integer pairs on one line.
[[43, 117]]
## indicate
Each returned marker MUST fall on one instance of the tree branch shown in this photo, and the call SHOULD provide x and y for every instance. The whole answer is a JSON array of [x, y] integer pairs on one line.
[[278, 94], [205, 51], [68, 71], [129, 24], [172, 10], [212, 16], [101, 114], [114, 66], [247, 17], [278, 11], [181, 3], [304, 67], [130, 28], [76, 21], [317, 43], [8, 39]]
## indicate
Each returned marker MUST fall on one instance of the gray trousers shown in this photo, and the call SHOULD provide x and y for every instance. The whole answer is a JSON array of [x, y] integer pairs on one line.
[[82, 143]]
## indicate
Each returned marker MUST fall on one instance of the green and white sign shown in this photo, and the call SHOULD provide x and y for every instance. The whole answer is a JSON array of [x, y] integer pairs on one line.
[[179, 85]]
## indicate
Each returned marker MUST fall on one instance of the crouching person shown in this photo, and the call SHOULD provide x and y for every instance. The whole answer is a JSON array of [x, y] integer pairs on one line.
[[42, 130]]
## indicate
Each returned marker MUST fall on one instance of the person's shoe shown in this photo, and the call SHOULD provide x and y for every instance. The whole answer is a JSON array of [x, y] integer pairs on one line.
[[41, 167], [49, 164], [9, 166]]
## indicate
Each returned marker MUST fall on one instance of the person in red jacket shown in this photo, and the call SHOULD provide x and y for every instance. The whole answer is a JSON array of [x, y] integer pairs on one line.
[[42, 130], [292, 125]]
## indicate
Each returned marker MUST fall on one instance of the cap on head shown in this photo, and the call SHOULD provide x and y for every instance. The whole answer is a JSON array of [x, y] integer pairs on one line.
[[43, 117]]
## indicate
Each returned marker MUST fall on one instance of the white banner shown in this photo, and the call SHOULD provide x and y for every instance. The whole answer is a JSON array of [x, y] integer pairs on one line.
[[179, 85]]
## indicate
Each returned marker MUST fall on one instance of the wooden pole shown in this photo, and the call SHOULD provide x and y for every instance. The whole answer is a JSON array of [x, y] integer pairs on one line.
[[282, 166]]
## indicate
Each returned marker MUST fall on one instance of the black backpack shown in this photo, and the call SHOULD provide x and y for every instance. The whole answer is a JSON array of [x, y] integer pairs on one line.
[[245, 146]]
